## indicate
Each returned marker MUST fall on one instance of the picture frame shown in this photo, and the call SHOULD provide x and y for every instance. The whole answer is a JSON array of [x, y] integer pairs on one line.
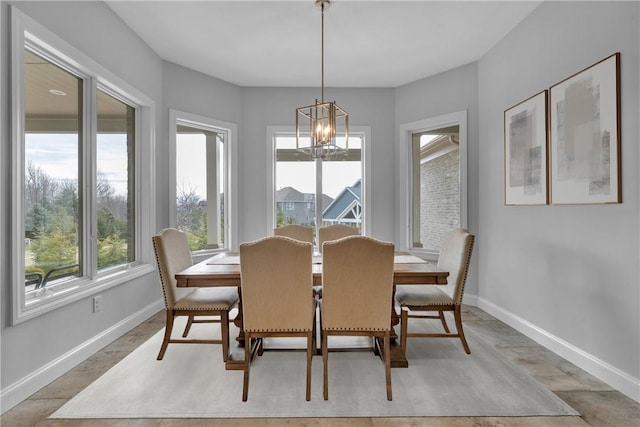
[[584, 151], [525, 152]]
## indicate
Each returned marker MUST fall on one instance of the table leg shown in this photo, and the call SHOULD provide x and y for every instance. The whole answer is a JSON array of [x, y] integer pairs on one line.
[[398, 358], [235, 360], [238, 322]]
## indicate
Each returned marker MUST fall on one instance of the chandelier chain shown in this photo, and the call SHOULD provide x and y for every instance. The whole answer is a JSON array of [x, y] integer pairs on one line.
[[322, 52]]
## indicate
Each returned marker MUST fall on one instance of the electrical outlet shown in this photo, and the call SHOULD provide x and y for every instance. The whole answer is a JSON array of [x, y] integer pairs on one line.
[[97, 303]]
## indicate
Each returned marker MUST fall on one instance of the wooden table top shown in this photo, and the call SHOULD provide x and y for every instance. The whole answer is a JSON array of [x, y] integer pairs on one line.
[[224, 270]]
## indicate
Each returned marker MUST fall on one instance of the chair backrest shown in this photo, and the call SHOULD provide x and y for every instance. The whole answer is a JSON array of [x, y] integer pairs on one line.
[[277, 285], [172, 255], [357, 284], [335, 232], [295, 231], [455, 256]]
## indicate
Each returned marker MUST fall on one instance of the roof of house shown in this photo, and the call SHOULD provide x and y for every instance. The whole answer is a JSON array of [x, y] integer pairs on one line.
[[291, 195], [343, 201]]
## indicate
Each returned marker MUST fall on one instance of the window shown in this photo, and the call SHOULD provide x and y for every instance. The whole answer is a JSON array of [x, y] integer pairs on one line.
[[325, 192], [115, 183], [204, 203], [53, 223], [434, 189], [436, 185], [82, 149]]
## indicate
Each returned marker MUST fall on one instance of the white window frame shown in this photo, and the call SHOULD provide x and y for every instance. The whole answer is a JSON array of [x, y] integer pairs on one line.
[[365, 158], [26, 32], [404, 167], [231, 179]]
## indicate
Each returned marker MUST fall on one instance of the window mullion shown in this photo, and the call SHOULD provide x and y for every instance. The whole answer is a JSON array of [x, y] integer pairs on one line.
[[88, 187], [319, 197]]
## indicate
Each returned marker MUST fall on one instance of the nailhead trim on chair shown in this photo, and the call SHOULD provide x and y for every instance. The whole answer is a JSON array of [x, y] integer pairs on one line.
[[466, 269], [278, 330], [164, 293]]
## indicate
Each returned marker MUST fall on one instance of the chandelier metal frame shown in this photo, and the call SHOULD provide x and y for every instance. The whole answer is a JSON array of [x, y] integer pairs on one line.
[[322, 121]]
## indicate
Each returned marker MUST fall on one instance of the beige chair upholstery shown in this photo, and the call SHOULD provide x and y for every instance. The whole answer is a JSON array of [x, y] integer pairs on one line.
[[334, 232], [357, 281], [455, 256], [277, 296], [173, 255], [295, 231]]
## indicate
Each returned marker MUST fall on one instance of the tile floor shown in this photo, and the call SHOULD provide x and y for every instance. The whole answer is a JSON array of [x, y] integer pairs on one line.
[[599, 404]]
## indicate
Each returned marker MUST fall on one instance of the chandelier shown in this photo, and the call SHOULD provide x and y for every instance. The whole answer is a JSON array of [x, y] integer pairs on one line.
[[322, 121]]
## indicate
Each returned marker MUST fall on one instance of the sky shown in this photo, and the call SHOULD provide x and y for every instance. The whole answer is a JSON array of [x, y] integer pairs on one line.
[[336, 175], [57, 156], [191, 169]]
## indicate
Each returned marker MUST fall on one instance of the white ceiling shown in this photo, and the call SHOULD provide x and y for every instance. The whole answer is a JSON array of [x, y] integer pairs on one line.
[[277, 43]]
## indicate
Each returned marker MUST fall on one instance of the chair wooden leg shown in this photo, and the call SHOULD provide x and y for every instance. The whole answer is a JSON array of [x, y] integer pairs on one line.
[[188, 327], [404, 319], [224, 331], [247, 364], [458, 315], [167, 333], [310, 352], [325, 359], [314, 343], [320, 327], [444, 322], [387, 364]]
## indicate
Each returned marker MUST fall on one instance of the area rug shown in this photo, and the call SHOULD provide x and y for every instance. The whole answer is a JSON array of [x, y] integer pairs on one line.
[[191, 382]]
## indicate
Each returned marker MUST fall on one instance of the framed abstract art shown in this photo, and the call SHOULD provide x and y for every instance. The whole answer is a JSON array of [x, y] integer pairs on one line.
[[525, 152], [584, 148]]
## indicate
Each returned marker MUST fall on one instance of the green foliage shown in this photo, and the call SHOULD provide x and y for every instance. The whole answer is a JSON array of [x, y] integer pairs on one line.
[[192, 218], [197, 241], [54, 249], [112, 251], [281, 219], [52, 221]]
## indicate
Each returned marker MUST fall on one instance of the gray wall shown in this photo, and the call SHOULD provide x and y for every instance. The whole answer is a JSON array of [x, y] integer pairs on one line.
[[94, 29], [571, 271]]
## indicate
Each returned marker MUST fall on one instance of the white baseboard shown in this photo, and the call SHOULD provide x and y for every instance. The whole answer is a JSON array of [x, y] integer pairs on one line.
[[605, 372], [25, 387]]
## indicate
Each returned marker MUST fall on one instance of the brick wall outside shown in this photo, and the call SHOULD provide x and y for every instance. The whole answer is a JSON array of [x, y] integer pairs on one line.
[[439, 198]]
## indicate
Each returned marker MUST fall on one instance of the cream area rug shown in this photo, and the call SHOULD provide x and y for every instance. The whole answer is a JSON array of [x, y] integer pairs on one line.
[[191, 382]]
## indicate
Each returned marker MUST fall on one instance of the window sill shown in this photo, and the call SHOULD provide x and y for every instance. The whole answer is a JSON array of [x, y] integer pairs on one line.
[[427, 255], [205, 254], [81, 291]]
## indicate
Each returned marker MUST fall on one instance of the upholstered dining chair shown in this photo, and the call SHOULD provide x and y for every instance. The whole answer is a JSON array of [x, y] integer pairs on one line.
[[173, 255], [277, 296], [455, 256], [334, 232], [357, 281], [295, 231]]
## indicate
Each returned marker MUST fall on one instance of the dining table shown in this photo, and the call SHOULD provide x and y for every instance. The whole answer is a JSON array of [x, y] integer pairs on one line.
[[223, 269]]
